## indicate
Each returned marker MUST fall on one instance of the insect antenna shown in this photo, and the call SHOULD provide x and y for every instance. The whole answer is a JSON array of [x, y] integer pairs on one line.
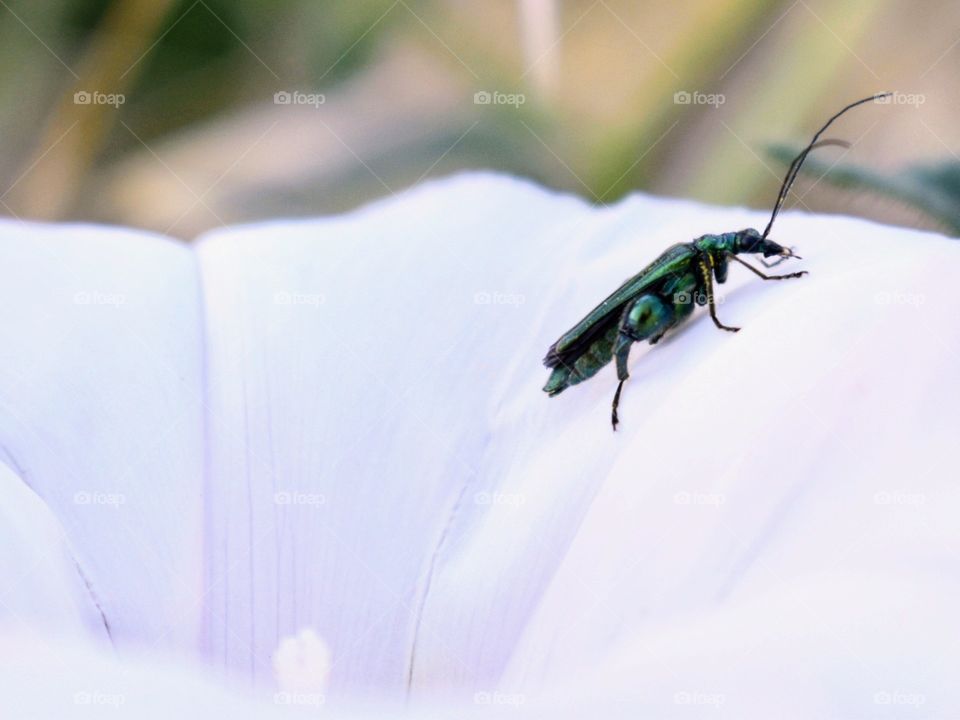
[[794, 168], [822, 143]]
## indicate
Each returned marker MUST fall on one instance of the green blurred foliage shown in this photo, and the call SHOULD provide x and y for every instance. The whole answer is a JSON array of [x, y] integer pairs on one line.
[[932, 188], [199, 140]]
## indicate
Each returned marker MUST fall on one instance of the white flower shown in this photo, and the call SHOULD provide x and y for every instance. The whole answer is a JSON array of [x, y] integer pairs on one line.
[[399, 400]]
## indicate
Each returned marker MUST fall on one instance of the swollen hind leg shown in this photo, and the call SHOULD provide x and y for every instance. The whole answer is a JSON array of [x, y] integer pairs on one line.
[[646, 317]]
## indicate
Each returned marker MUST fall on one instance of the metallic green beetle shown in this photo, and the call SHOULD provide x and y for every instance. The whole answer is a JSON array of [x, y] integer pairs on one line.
[[663, 294]]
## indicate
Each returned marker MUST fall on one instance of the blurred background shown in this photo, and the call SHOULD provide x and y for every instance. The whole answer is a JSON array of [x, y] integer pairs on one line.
[[180, 116]]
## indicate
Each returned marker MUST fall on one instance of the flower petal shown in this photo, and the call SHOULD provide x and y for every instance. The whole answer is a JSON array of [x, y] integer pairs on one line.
[[101, 413]]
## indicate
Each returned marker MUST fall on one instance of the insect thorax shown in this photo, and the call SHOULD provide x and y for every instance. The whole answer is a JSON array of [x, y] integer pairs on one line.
[[718, 244]]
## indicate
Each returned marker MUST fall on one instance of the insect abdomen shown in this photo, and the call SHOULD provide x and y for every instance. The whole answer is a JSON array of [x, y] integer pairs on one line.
[[597, 354]]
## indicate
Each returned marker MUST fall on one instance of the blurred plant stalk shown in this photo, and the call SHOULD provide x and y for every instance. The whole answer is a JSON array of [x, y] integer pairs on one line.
[[75, 132], [540, 34]]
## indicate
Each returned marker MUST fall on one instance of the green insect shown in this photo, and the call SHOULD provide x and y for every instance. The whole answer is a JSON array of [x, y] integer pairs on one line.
[[663, 294]]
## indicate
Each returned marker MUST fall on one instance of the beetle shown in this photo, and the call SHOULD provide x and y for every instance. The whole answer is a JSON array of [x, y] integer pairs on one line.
[[664, 294]]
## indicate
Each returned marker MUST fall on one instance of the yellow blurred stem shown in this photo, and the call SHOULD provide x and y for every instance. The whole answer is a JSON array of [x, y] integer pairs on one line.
[[804, 69], [716, 33], [539, 34], [75, 133]]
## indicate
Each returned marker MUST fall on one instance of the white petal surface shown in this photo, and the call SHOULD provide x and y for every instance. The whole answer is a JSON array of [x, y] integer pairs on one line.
[[41, 586], [456, 527], [774, 524], [43, 678], [101, 413], [355, 370]]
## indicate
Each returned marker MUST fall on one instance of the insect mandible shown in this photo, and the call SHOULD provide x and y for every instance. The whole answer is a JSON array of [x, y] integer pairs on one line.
[[663, 294]]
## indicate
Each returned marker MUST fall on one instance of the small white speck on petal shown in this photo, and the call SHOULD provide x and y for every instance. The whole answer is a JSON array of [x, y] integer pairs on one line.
[[301, 663]]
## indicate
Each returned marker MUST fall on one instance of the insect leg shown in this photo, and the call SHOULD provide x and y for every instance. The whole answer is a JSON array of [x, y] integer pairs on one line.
[[683, 304], [647, 316], [708, 285], [621, 353], [758, 273], [614, 418], [771, 263]]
